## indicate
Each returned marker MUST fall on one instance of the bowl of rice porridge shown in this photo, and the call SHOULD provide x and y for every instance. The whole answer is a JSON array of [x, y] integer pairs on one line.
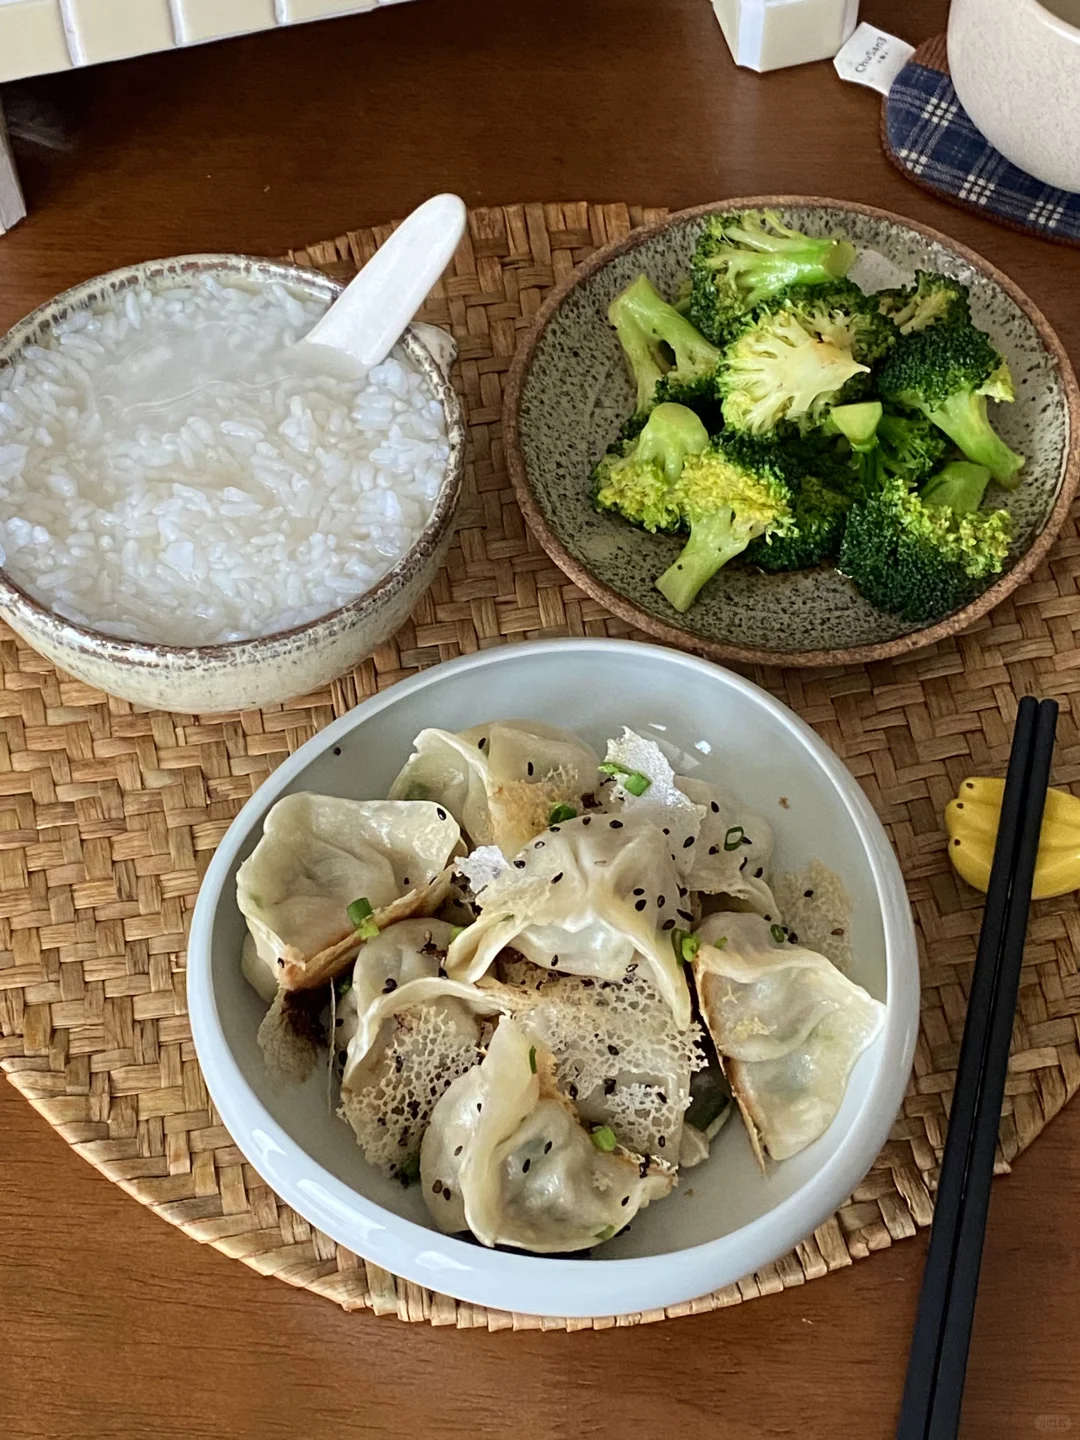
[[192, 520]]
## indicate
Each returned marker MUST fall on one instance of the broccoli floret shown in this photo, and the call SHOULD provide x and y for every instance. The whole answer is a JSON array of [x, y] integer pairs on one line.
[[933, 297], [741, 260], [777, 369], [823, 486], [909, 447], [857, 423], [634, 479], [960, 485], [918, 559], [842, 314], [947, 372], [726, 503], [659, 344]]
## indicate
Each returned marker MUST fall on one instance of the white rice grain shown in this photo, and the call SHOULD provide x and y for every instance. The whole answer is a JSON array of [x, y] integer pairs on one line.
[[169, 473]]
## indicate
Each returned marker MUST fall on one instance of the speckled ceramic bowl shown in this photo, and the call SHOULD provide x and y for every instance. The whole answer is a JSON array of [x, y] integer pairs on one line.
[[270, 668], [568, 391]]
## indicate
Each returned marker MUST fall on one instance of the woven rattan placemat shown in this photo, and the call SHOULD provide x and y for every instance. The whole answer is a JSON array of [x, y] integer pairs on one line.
[[109, 816]]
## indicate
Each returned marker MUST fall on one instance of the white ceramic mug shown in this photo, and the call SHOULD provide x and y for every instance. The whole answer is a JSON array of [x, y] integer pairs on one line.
[[1016, 68]]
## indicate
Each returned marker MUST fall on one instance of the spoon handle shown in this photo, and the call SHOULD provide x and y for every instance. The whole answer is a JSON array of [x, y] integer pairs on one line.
[[371, 313]]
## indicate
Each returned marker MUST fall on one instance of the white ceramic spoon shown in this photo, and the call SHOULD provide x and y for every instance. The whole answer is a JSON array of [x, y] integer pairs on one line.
[[371, 313]]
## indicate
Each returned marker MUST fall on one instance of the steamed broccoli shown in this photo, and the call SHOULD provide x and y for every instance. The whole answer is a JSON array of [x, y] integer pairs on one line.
[[917, 558], [741, 260], [947, 372], [660, 345], [840, 313], [778, 368], [909, 446], [933, 297], [635, 477], [822, 485], [727, 502]]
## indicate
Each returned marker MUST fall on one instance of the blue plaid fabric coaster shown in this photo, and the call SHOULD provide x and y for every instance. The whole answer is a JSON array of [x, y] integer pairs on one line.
[[927, 134]]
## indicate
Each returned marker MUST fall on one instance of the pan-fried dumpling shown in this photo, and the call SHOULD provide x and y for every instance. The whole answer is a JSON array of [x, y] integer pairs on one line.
[[787, 1025], [318, 854], [733, 849], [616, 1050], [411, 1032], [501, 781], [719, 848], [590, 896], [506, 1157]]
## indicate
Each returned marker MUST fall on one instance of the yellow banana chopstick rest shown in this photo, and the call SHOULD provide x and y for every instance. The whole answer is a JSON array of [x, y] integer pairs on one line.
[[972, 824]]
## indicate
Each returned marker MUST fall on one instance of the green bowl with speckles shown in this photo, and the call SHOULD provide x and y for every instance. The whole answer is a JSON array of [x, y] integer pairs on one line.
[[568, 392]]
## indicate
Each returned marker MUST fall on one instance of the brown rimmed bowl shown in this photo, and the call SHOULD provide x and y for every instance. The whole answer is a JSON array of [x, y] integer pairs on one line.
[[568, 392], [267, 669]]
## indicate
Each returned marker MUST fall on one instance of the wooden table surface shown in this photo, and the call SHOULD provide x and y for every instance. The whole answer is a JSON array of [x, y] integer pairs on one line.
[[275, 140]]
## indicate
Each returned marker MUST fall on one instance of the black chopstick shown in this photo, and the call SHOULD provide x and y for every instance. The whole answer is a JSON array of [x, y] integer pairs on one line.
[[937, 1364]]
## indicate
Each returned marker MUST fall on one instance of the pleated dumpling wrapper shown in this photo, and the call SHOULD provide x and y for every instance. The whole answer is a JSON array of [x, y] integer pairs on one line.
[[501, 781], [506, 1157], [317, 855], [590, 896], [787, 1025], [719, 847], [411, 1032], [616, 1049]]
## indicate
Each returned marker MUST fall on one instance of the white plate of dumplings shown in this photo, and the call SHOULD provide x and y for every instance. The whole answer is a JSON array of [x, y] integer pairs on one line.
[[475, 1006]]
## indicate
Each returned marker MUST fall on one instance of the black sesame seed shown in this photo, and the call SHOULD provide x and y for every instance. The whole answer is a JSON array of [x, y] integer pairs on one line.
[[573, 1092], [663, 1097], [280, 961], [337, 749], [714, 807], [793, 938], [519, 864], [615, 824], [547, 1147], [529, 768], [746, 840], [668, 925], [554, 829], [613, 1050], [714, 849], [446, 1193], [481, 742], [808, 894], [640, 904], [525, 1167], [587, 984], [666, 830], [609, 1086], [338, 1022], [440, 812], [742, 863], [479, 1106], [390, 986], [683, 891], [759, 872], [661, 1141], [405, 879], [436, 1187], [688, 842], [625, 1200], [661, 901], [539, 845], [556, 878], [640, 890], [587, 820], [684, 914]]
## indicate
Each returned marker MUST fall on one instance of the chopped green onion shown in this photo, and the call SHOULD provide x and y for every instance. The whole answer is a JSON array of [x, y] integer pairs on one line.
[[455, 931], [359, 910], [603, 1137], [360, 913], [677, 938], [561, 813], [410, 1168], [734, 837], [719, 942], [606, 1233], [632, 780], [777, 933], [532, 1058], [688, 949], [343, 984]]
